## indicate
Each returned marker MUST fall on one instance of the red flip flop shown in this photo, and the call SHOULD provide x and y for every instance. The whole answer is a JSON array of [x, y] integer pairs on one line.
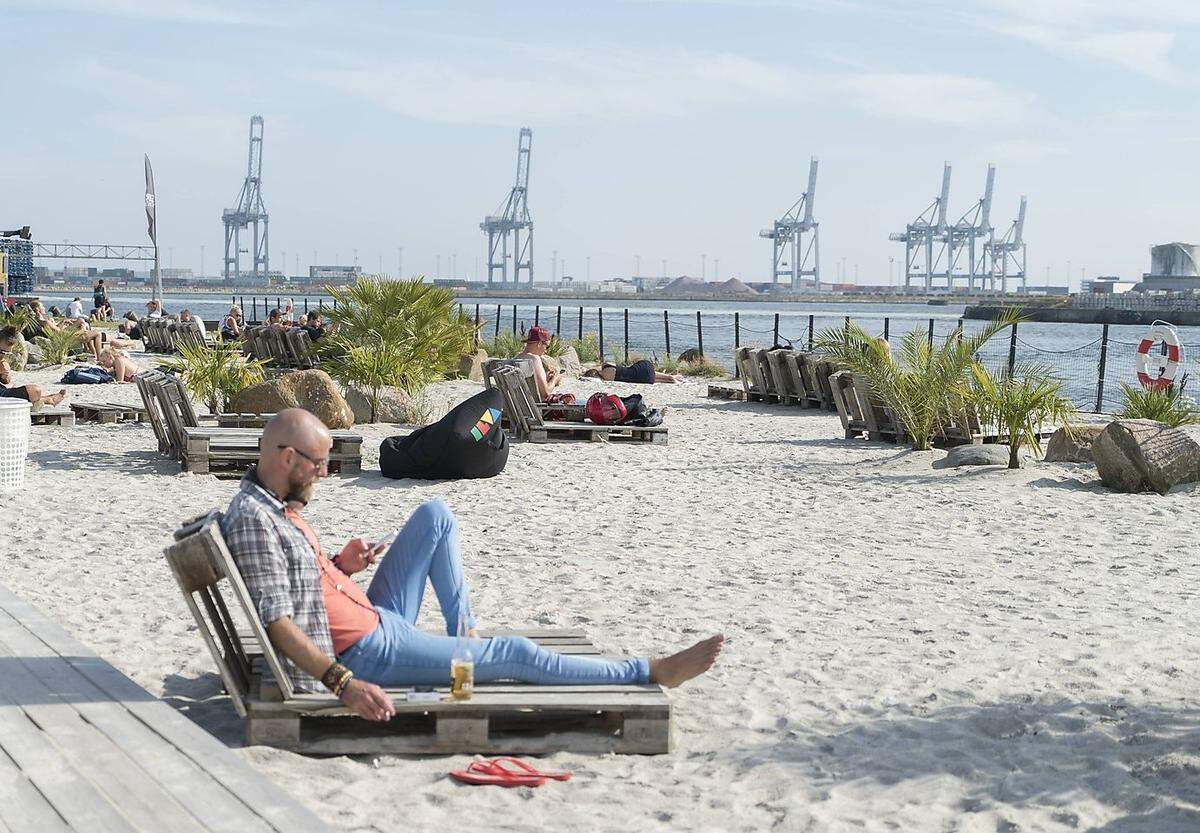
[[505, 772]]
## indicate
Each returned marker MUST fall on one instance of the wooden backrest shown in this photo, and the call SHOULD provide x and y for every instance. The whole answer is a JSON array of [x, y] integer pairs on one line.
[[742, 360], [523, 414], [845, 400], [300, 344], [203, 568], [781, 378], [145, 382], [791, 361]]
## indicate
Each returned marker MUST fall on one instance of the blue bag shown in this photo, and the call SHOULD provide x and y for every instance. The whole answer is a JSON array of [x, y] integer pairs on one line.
[[86, 375]]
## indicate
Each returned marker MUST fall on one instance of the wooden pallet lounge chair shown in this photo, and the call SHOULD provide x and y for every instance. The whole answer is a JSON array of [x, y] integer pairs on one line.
[[499, 718], [201, 449], [528, 422], [300, 347], [780, 375], [805, 397], [59, 415], [108, 413], [754, 386], [816, 369], [862, 412], [846, 401]]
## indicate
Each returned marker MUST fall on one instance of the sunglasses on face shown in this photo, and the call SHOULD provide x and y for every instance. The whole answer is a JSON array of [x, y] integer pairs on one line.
[[320, 463]]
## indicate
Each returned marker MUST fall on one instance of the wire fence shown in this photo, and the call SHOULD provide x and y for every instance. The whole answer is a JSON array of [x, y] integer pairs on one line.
[[1092, 371]]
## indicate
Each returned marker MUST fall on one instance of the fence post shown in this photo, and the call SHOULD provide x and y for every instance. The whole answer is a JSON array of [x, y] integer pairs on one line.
[[581, 326], [253, 308], [242, 304], [886, 323], [475, 335], [558, 321], [1012, 351], [667, 332], [627, 336], [514, 319], [277, 304], [810, 332], [931, 332], [600, 318], [846, 330], [306, 306], [699, 335], [1103, 364], [320, 304], [497, 321], [776, 341], [537, 315]]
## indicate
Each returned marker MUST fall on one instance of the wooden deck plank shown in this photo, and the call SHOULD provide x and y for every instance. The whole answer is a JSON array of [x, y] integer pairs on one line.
[[22, 806], [159, 764], [279, 810]]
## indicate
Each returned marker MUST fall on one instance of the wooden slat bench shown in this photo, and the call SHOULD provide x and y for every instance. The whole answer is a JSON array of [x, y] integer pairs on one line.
[[527, 421], [108, 412], [726, 392], [500, 718], [56, 415], [86, 749]]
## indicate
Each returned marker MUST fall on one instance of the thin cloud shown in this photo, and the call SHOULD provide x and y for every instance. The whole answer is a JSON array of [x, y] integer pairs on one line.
[[1024, 150], [604, 84], [176, 11]]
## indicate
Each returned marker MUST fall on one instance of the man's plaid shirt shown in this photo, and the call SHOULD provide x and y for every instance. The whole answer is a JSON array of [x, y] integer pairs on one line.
[[279, 568]]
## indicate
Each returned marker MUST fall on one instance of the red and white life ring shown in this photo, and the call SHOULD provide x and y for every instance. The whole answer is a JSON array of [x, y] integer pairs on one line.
[[1167, 365]]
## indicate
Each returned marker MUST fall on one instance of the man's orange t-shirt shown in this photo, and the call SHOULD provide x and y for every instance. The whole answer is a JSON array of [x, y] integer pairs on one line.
[[351, 614]]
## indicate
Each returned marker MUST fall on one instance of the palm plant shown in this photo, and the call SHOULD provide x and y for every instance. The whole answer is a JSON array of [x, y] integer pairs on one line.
[[1019, 404], [1167, 405], [392, 333], [58, 346], [215, 374], [505, 345], [23, 319], [926, 385]]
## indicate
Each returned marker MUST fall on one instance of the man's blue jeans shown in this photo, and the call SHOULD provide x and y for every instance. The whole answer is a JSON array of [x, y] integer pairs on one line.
[[397, 654]]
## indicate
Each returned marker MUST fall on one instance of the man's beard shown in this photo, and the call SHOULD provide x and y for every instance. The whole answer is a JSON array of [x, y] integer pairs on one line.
[[299, 490]]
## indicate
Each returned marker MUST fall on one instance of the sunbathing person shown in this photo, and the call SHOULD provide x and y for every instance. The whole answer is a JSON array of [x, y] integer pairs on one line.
[[532, 365], [327, 627], [118, 363], [30, 393], [231, 325], [641, 372], [91, 339]]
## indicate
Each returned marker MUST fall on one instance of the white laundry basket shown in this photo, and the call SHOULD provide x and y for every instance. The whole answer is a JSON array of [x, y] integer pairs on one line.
[[14, 442]]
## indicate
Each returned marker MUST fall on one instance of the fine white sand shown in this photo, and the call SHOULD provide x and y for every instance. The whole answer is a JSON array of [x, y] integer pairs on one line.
[[908, 649]]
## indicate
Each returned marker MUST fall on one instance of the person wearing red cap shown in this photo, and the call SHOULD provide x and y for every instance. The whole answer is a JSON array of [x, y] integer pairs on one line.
[[536, 343]]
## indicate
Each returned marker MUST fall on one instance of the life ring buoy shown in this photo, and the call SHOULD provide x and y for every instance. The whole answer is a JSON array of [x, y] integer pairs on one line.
[[1168, 365]]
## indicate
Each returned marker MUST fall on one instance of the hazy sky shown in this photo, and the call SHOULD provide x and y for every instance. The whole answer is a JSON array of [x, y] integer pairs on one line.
[[660, 129]]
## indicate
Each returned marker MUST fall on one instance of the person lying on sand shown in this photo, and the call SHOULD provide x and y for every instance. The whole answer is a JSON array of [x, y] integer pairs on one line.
[[30, 393], [641, 372], [118, 363], [332, 633]]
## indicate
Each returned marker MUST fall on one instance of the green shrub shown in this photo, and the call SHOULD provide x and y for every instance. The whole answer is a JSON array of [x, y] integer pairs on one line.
[[588, 348], [703, 367], [1019, 405], [215, 374], [392, 333], [1168, 405], [926, 385], [58, 346], [668, 363], [506, 345]]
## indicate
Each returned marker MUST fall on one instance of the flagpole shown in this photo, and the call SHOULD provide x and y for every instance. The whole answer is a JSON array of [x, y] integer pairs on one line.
[[152, 229], [157, 278]]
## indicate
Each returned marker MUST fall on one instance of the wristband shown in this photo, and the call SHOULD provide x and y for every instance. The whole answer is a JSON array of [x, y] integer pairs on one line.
[[333, 674], [343, 682]]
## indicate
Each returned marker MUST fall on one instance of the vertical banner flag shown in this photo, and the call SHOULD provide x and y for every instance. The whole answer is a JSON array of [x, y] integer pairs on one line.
[[150, 209]]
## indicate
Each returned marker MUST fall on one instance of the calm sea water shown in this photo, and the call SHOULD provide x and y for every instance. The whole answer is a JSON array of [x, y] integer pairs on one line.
[[1073, 350]]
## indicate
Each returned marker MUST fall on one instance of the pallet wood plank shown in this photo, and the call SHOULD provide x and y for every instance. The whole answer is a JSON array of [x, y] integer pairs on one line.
[[269, 802], [22, 806]]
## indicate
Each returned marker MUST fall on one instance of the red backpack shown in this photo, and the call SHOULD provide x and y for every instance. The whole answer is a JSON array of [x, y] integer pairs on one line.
[[605, 409]]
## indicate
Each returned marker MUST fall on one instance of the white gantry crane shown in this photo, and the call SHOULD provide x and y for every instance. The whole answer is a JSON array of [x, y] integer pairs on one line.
[[1006, 256], [974, 225], [510, 220], [926, 254], [795, 239], [250, 211]]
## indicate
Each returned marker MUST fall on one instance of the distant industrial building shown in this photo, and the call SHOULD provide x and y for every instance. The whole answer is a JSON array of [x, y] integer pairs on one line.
[[1106, 285], [337, 274], [1173, 268]]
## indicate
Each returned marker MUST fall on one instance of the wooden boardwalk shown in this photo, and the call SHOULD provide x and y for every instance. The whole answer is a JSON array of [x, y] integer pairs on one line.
[[84, 748]]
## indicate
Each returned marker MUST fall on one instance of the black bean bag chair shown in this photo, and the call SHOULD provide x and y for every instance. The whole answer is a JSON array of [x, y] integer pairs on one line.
[[468, 442]]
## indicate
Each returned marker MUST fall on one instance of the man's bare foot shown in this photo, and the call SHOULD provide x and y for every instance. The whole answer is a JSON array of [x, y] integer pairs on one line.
[[677, 669], [54, 398]]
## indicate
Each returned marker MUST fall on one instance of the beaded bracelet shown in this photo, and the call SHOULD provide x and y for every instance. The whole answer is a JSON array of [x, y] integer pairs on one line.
[[343, 682]]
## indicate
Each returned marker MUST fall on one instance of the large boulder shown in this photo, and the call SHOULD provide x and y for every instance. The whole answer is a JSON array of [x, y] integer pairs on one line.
[[991, 454], [395, 405], [1138, 455], [19, 358], [1074, 446], [568, 362], [470, 365], [312, 390]]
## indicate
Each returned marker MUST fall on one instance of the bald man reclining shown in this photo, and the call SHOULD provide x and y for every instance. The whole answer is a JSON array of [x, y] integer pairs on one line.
[[331, 633]]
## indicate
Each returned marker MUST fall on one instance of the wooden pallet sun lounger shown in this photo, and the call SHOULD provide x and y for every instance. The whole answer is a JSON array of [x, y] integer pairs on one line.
[[525, 417], [108, 412], [84, 749], [56, 415], [500, 718]]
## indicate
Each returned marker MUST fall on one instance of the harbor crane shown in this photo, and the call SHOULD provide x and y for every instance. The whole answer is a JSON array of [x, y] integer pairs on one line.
[[795, 240], [510, 220], [250, 211], [974, 225], [925, 251], [1006, 256]]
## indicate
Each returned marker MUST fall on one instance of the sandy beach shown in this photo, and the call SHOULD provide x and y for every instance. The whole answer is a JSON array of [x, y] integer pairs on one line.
[[908, 648]]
